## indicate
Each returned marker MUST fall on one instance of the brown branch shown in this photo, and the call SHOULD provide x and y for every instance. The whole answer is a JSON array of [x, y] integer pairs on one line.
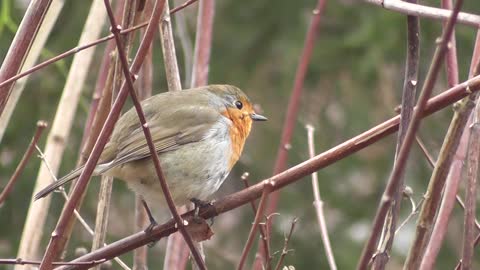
[[66, 54], [287, 177], [408, 103], [425, 11], [318, 203], [285, 246], [145, 85], [106, 185], [168, 50], [20, 46], [471, 192], [471, 187], [79, 189], [263, 233], [451, 62], [148, 136], [293, 104], [182, 6], [20, 261], [203, 43], [12, 78], [41, 125], [394, 181], [267, 187], [454, 177]]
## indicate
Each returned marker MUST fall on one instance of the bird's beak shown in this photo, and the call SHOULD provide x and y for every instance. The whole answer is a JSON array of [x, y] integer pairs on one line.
[[258, 117]]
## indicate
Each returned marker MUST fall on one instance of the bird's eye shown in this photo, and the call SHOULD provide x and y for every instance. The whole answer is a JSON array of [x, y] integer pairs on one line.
[[238, 104]]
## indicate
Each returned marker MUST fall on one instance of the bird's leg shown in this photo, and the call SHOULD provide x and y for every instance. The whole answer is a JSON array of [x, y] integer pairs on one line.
[[197, 203], [153, 222]]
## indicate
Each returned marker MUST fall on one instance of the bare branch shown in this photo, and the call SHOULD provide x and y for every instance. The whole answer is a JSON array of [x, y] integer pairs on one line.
[[394, 181], [148, 136], [285, 246], [267, 187], [293, 104], [52, 248], [318, 204], [41, 125], [425, 12]]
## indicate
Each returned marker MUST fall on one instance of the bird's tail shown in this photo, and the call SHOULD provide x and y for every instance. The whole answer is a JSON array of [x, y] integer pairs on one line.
[[67, 178]]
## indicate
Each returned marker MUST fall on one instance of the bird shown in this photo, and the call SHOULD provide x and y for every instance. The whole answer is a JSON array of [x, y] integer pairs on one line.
[[199, 135]]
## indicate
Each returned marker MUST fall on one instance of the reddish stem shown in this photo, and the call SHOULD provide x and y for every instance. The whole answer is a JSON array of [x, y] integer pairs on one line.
[[20, 46], [293, 104], [67, 213], [41, 125]]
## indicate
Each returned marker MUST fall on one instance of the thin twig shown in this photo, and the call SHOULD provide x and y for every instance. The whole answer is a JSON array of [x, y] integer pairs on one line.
[[425, 11], [455, 174], [263, 233], [186, 44], [451, 62], [285, 245], [267, 187], [293, 105], [431, 162], [145, 85], [20, 261], [75, 50], [287, 177], [79, 189], [76, 213], [182, 6], [415, 210], [471, 191], [148, 136], [318, 204], [400, 163], [106, 185], [41, 125], [168, 49], [410, 84], [59, 133], [175, 243], [38, 45], [21, 45], [203, 43]]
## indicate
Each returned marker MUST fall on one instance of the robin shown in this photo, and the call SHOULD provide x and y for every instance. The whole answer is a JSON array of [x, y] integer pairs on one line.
[[198, 134]]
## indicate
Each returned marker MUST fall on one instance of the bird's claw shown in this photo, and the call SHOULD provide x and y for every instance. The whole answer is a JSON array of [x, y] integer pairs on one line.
[[197, 205]]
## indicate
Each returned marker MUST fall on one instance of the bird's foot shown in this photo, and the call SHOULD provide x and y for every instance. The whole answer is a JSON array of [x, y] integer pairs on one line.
[[152, 224], [197, 205]]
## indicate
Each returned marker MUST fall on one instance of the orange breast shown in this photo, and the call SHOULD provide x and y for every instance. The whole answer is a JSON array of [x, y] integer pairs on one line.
[[241, 125]]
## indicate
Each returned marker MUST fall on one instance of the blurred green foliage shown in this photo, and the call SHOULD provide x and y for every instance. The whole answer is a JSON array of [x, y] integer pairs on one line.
[[354, 82]]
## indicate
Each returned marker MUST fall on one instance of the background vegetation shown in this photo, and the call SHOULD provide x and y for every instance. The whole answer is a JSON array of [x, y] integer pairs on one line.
[[354, 82]]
